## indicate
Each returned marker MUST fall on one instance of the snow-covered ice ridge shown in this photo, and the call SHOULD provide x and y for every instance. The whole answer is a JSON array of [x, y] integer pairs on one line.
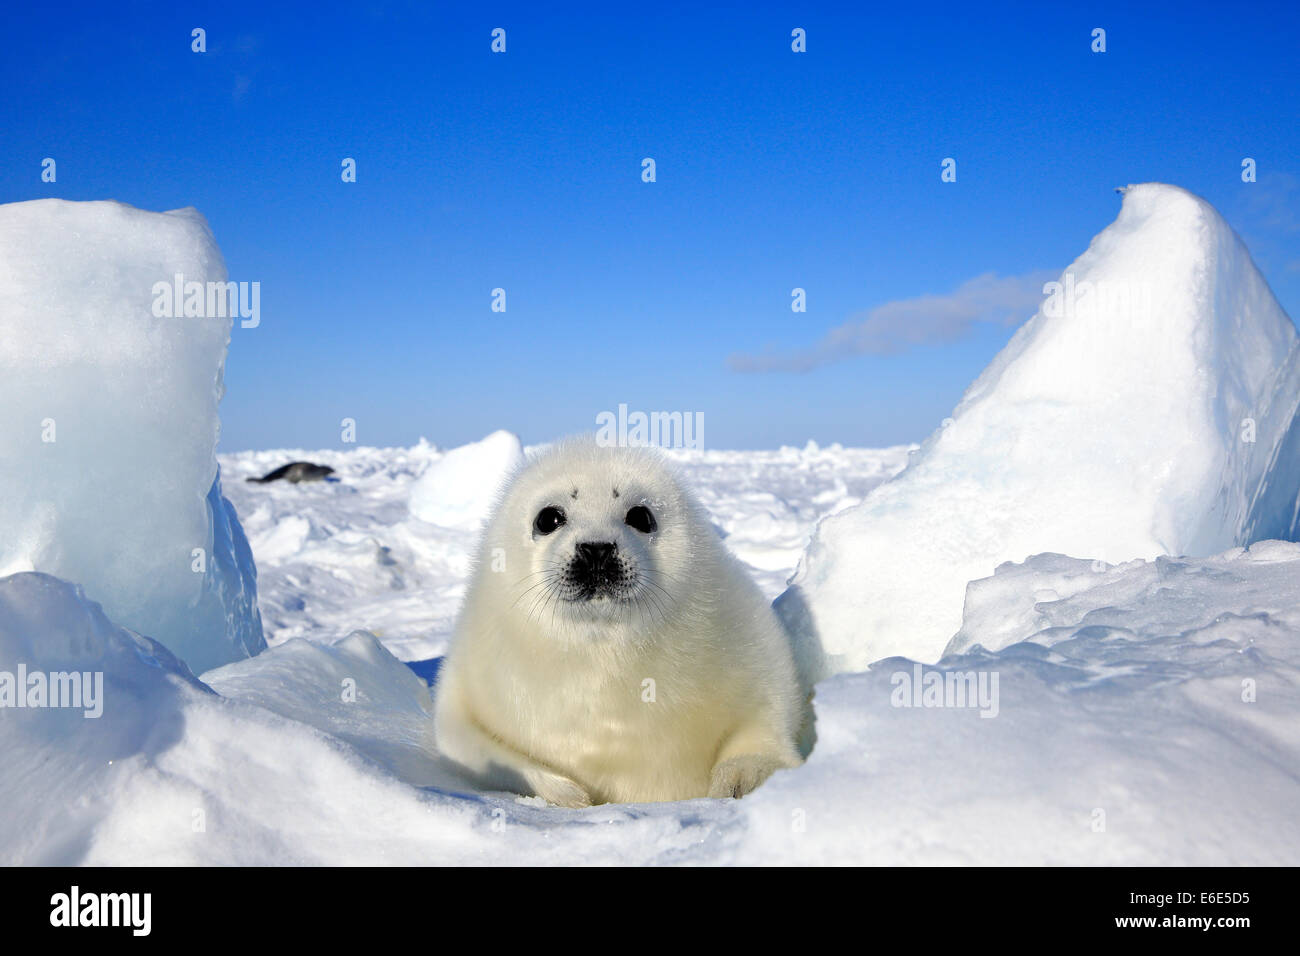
[[108, 423], [1148, 408]]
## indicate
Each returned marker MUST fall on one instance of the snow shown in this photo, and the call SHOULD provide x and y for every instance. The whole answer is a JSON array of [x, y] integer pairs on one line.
[[1148, 408], [336, 556], [377, 703], [58, 759], [1113, 744], [108, 423], [1050, 597], [459, 489]]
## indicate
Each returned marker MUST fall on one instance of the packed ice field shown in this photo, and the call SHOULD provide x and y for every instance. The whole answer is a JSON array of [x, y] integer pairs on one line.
[[350, 553], [1064, 628]]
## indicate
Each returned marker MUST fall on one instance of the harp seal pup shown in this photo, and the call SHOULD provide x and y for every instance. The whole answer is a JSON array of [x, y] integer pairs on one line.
[[610, 648]]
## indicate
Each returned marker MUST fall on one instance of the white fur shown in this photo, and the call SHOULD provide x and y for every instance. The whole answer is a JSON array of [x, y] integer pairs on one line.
[[546, 696]]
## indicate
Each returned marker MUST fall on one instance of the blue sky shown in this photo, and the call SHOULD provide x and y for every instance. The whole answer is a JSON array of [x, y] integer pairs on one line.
[[522, 171]]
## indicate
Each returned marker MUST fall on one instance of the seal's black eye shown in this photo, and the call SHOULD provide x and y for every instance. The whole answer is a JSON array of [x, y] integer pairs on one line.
[[548, 519], [641, 519]]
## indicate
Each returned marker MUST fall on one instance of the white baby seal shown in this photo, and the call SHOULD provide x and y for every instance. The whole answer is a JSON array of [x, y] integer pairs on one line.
[[610, 649]]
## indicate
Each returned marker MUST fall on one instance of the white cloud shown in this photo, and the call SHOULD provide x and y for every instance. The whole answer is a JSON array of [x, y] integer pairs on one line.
[[924, 320]]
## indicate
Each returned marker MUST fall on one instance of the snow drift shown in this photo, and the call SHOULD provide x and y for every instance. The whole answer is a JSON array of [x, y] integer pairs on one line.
[[458, 489], [1099, 752], [59, 758], [1148, 408], [354, 689], [108, 423]]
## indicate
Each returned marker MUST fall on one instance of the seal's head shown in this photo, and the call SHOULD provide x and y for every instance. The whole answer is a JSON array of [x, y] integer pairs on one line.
[[599, 543]]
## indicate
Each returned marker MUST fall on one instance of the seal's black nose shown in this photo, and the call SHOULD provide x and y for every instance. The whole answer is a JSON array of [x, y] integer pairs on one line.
[[595, 569], [596, 555]]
